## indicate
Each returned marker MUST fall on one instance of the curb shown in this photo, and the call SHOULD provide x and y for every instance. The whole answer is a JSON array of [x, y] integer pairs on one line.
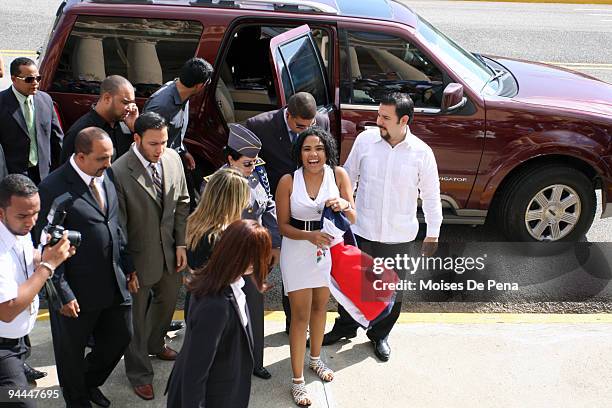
[[449, 318]]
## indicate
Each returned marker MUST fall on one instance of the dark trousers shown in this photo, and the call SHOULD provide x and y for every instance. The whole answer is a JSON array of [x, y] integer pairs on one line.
[[344, 323], [12, 356], [255, 303], [34, 174], [112, 329]]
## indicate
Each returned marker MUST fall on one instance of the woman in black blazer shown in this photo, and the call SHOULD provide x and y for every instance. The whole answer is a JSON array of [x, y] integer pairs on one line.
[[215, 364]]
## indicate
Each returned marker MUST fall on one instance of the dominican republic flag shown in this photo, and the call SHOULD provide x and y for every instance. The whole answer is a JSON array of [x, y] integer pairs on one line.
[[352, 277]]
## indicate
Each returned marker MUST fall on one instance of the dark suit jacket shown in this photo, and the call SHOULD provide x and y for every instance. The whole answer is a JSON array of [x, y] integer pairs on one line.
[[215, 365], [94, 275], [271, 129], [3, 170], [14, 133]]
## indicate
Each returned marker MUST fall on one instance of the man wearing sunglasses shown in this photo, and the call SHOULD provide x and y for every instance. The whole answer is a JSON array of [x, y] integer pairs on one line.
[[30, 135], [277, 131]]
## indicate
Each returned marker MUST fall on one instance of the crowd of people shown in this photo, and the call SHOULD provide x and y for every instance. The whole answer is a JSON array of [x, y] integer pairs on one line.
[[119, 178]]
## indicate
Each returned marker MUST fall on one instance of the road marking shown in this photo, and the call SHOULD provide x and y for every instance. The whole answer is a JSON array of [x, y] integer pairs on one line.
[[591, 9], [599, 14], [454, 318]]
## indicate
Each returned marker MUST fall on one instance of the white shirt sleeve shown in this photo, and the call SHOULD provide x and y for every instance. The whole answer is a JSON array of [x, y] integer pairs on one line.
[[8, 286], [185, 125], [353, 162], [429, 188]]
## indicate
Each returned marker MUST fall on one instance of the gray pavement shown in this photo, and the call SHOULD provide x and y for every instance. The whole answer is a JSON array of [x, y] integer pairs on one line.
[[432, 365]]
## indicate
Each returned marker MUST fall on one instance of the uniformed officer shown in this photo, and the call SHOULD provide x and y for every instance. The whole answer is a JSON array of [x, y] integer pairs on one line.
[[241, 153]]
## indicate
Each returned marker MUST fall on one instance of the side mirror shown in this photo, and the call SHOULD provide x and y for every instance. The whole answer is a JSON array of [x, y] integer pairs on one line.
[[452, 98]]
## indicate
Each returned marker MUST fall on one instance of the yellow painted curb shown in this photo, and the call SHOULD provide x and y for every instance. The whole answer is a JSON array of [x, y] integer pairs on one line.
[[448, 318]]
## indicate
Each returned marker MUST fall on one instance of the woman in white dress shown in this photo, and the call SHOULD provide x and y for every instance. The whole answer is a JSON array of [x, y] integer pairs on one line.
[[305, 259]]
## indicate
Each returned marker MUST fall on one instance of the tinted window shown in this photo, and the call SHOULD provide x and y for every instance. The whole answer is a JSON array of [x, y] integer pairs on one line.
[[301, 59], [374, 64], [148, 52]]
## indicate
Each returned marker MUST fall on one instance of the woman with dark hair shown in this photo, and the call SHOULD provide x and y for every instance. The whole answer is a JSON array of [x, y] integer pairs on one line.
[[305, 261], [215, 364]]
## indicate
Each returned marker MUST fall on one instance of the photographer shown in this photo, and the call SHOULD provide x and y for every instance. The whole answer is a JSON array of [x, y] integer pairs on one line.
[[21, 276]]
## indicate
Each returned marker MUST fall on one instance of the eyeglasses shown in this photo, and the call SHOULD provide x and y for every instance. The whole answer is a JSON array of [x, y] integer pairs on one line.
[[30, 79], [301, 127]]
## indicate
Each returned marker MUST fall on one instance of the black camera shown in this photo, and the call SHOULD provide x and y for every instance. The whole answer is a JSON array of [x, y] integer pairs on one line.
[[58, 212]]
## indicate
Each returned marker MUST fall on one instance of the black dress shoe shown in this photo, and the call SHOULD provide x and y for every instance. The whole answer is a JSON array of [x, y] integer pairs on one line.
[[261, 372], [96, 396], [32, 374], [176, 325], [334, 336], [382, 349]]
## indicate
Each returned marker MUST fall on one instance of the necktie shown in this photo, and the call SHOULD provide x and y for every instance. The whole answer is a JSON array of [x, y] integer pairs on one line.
[[29, 119], [96, 194], [157, 182], [293, 136]]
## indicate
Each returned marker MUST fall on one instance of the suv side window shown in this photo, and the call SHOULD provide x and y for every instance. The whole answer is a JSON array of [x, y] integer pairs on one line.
[[148, 52], [374, 64]]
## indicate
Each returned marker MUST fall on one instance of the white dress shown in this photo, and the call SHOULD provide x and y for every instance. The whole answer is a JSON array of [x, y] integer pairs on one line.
[[301, 266]]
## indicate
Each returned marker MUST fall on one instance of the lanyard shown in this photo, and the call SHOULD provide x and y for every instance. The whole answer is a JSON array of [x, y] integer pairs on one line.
[[23, 266]]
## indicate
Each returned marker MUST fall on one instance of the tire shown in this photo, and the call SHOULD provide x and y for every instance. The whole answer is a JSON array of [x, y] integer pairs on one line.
[[547, 203]]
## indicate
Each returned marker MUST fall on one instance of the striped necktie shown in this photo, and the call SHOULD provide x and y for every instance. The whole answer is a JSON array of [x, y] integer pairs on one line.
[[96, 194], [28, 114], [157, 182]]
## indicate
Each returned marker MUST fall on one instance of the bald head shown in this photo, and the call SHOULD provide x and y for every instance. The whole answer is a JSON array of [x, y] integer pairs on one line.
[[113, 84], [85, 139]]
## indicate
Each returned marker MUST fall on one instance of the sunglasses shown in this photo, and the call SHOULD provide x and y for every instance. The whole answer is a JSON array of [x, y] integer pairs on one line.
[[30, 79]]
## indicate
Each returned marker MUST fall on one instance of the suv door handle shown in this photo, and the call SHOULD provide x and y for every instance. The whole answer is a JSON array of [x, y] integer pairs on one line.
[[366, 124]]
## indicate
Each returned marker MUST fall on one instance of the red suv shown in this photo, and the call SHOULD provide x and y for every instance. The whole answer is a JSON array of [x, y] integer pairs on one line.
[[524, 142]]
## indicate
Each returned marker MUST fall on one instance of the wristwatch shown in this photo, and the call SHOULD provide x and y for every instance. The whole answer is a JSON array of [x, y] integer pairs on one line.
[[49, 267]]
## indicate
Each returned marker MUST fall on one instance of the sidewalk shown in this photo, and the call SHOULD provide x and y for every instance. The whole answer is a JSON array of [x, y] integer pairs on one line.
[[435, 362]]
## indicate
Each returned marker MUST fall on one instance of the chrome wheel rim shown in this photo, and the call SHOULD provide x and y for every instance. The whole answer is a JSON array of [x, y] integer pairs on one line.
[[553, 213]]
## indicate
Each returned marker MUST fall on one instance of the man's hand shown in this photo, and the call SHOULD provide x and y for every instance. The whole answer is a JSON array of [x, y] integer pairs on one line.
[[430, 246], [58, 253], [181, 258], [189, 161], [71, 309], [131, 117], [132, 283], [275, 256]]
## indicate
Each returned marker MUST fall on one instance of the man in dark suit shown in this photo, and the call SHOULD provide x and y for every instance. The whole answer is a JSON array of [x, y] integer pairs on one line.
[[92, 285], [3, 170], [30, 133], [277, 131], [115, 113]]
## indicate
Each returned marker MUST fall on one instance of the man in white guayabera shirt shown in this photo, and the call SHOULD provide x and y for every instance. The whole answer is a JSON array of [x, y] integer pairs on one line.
[[392, 169], [21, 278]]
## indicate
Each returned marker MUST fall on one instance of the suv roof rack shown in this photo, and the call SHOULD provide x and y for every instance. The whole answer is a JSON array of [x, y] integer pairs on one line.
[[281, 5]]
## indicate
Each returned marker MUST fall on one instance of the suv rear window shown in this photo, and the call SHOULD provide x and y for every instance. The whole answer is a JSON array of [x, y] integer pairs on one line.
[[148, 52]]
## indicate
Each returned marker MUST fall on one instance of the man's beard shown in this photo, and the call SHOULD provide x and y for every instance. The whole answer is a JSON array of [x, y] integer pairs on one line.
[[385, 135]]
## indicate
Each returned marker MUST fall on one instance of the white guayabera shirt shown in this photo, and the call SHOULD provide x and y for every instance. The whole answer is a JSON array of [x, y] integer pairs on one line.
[[391, 179]]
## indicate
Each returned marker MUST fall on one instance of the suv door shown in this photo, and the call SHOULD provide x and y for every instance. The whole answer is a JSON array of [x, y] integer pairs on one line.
[[298, 67], [375, 60]]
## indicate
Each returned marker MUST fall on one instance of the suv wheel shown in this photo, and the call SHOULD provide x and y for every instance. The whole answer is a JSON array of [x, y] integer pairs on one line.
[[549, 203]]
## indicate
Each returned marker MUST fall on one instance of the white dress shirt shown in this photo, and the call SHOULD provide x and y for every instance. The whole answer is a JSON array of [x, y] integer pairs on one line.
[[16, 266], [147, 163], [240, 299], [390, 180], [98, 181]]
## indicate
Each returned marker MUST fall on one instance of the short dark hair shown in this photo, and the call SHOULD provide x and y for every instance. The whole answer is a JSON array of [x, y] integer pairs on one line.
[[302, 105], [195, 71], [402, 102], [15, 185], [111, 84], [331, 148], [228, 151], [83, 143], [147, 121], [17, 63]]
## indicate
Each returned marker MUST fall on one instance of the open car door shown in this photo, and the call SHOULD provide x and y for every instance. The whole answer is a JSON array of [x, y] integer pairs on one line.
[[298, 67]]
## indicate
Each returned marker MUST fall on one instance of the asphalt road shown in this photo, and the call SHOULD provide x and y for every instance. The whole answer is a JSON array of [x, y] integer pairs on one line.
[[575, 36]]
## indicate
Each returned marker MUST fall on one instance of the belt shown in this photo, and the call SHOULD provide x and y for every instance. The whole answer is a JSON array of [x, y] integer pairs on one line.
[[305, 225], [9, 342]]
